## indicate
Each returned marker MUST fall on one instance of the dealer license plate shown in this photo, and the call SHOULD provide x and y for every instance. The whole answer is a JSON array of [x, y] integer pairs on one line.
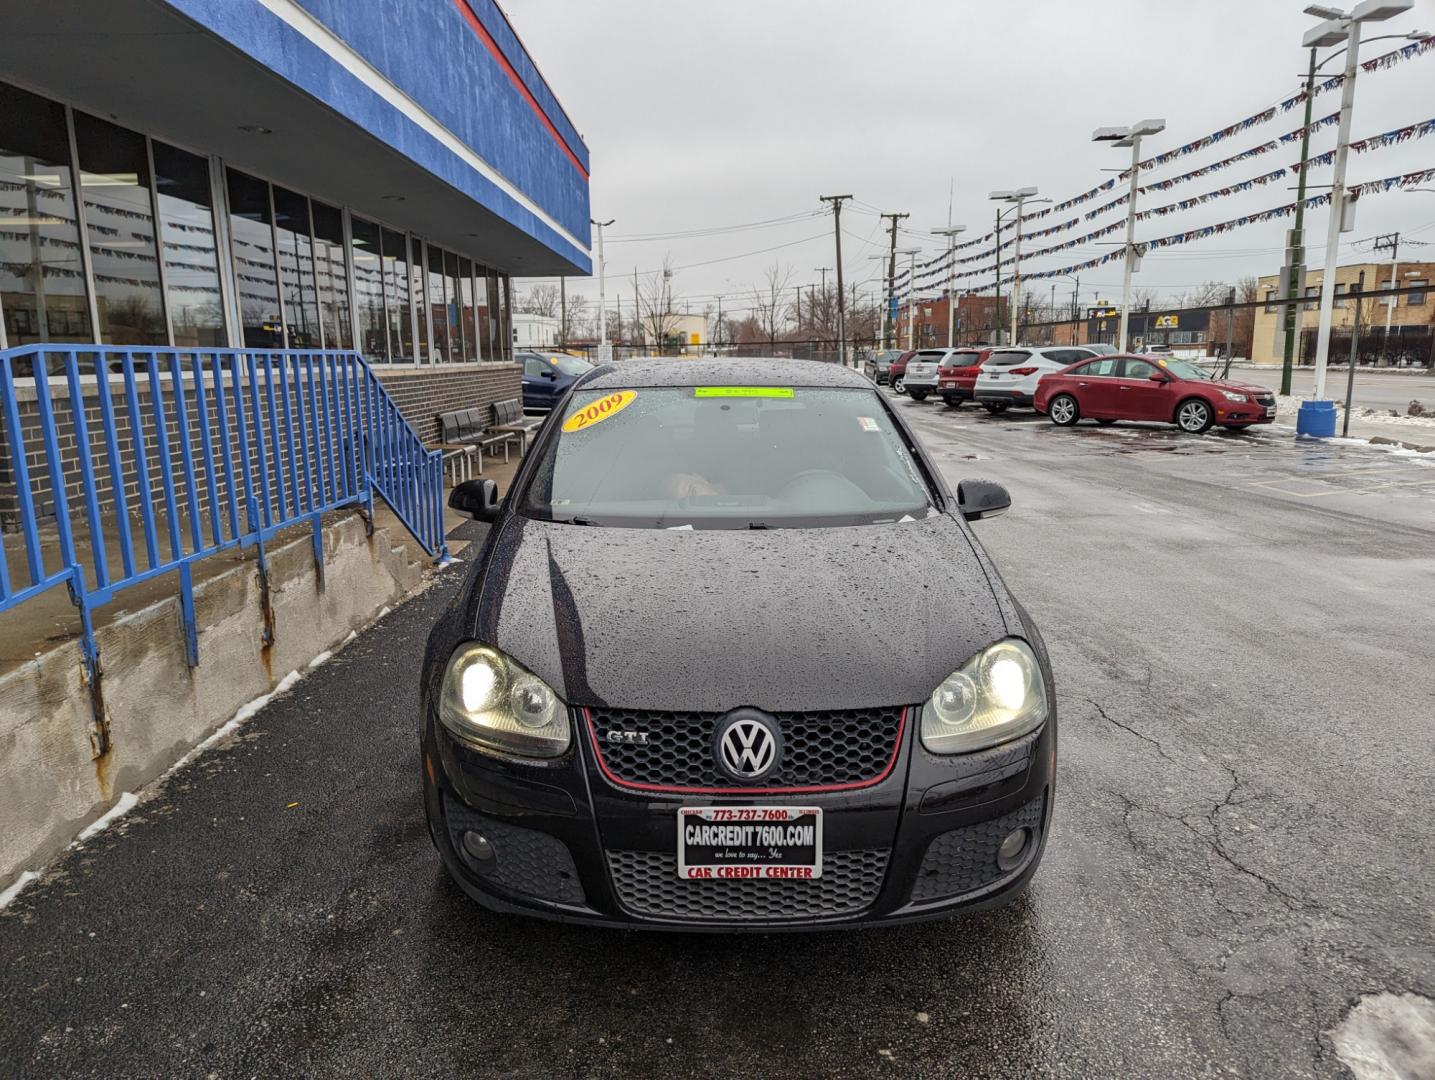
[[1270, 410], [747, 842]]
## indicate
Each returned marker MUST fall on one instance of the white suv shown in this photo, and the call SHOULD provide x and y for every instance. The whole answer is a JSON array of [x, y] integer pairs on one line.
[[1010, 375], [920, 378]]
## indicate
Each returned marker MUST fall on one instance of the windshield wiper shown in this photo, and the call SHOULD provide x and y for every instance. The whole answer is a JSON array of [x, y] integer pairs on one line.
[[574, 521], [758, 525]]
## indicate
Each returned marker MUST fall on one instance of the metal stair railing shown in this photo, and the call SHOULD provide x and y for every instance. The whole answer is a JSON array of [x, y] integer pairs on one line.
[[120, 464]]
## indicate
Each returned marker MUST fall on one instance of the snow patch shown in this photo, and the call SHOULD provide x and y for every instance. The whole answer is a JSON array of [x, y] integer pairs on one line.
[[1388, 1037], [123, 805], [321, 659], [26, 876]]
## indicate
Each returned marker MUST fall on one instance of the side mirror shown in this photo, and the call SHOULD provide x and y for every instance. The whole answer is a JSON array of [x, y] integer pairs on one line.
[[476, 498], [1159, 376], [979, 499], [549, 373]]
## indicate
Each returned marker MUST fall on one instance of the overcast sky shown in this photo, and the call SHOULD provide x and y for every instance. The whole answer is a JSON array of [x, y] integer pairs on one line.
[[704, 116]]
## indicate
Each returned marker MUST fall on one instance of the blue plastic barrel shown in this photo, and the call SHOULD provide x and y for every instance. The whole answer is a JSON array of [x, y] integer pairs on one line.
[[1316, 419]]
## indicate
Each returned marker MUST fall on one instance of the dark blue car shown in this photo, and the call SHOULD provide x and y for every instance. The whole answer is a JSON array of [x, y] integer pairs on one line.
[[547, 376]]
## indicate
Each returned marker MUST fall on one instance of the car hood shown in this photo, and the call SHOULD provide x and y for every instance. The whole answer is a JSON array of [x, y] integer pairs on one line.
[[1239, 387], [708, 620]]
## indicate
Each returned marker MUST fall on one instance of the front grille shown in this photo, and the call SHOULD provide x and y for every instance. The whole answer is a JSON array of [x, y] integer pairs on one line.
[[525, 861], [647, 883], [1265, 399], [820, 749]]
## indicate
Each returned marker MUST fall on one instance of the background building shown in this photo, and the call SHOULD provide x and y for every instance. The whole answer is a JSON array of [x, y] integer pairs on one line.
[[1411, 316], [284, 173], [974, 322]]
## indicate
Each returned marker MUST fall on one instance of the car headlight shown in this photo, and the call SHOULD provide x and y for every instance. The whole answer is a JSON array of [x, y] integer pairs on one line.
[[1233, 397], [995, 696], [494, 703]]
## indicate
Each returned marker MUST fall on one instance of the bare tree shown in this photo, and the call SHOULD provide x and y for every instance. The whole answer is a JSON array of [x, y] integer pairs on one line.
[[540, 300], [770, 303], [576, 324], [656, 317]]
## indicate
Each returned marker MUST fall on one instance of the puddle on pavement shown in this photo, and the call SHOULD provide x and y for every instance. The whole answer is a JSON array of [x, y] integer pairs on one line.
[[1388, 1037]]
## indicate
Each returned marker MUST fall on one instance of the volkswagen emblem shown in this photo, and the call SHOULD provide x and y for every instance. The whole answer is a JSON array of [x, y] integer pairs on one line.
[[748, 744]]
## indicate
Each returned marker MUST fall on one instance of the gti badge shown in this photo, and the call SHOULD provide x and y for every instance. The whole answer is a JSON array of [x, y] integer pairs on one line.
[[747, 744], [627, 738]]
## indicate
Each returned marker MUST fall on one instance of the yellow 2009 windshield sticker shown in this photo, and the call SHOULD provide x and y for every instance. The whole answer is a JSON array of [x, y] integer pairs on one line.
[[743, 391], [598, 411]]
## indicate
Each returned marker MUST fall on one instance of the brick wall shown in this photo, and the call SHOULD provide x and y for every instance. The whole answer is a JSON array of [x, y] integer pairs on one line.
[[421, 393]]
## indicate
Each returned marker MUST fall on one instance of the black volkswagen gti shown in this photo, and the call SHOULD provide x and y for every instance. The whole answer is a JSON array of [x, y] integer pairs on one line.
[[684, 688]]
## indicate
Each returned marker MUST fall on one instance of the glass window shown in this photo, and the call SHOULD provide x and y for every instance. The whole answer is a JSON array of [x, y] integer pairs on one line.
[[452, 286], [1270, 300], [124, 260], [1417, 299], [417, 278], [255, 275], [438, 306], [1007, 358], [369, 291], [1104, 368], [495, 349], [505, 316], [332, 276], [187, 246], [823, 457], [396, 293], [42, 280], [296, 268], [1137, 369], [466, 320], [481, 317]]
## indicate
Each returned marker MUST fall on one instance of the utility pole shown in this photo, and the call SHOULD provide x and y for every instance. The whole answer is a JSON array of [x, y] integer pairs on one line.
[[911, 254], [812, 307], [1295, 272], [1230, 330], [605, 351], [836, 201], [1391, 241], [563, 311], [637, 311], [889, 329], [718, 333]]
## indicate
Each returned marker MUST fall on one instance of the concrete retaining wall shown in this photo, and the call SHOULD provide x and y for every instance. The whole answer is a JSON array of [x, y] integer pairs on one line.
[[51, 783]]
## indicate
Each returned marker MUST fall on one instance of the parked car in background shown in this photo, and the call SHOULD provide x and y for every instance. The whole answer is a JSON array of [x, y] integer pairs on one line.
[[920, 377], [897, 373], [1100, 348], [1159, 388], [957, 375], [1010, 376], [878, 364], [547, 377]]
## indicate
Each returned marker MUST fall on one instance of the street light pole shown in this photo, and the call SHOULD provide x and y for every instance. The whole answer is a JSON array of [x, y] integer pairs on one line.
[[1018, 197], [1329, 33], [911, 254], [1129, 136], [950, 232], [605, 351]]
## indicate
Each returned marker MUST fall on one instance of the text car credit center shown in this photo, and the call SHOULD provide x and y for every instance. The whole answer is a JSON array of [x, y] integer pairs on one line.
[[655, 702]]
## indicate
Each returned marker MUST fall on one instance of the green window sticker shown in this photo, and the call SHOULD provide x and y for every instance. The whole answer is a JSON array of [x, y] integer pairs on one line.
[[743, 391]]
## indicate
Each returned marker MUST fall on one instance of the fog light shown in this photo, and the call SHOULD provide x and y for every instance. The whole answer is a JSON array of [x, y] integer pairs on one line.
[[477, 847], [1012, 849]]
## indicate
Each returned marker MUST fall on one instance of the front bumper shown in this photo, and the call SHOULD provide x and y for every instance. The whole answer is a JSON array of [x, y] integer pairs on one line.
[[565, 842]]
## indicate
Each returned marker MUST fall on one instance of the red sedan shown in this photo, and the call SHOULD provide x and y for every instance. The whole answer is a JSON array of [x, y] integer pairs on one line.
[[896, 374], [957, 377], [1160, 388]]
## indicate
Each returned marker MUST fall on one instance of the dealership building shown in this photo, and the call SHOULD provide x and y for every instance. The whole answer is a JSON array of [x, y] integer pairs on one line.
[[284, 174]]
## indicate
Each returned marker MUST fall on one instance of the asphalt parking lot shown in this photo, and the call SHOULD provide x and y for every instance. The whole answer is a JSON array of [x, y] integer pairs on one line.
[[1240, 628]]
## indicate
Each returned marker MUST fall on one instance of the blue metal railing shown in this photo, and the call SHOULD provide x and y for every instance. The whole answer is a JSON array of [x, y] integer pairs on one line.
[[173, 455]]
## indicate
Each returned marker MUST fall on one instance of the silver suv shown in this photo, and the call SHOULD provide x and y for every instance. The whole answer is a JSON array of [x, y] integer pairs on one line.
[[921, 377]]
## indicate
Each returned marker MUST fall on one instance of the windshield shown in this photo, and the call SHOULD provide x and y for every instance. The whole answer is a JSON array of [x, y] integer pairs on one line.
[[569, 365], [726, 457], [1183, 369]]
